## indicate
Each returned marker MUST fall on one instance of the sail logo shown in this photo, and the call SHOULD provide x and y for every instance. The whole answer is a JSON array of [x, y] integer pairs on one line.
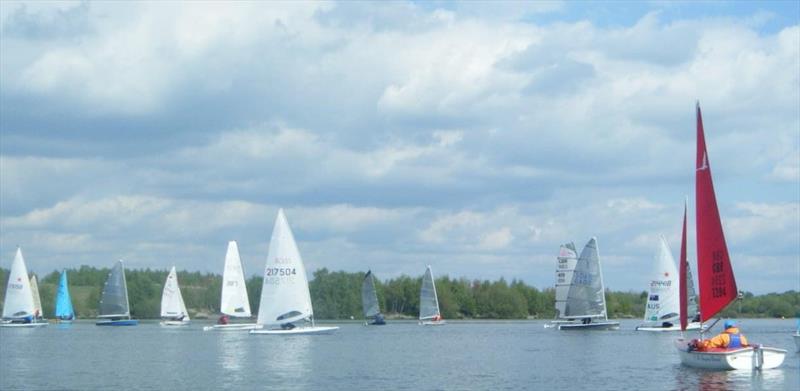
[[704, 165], [660, 284]]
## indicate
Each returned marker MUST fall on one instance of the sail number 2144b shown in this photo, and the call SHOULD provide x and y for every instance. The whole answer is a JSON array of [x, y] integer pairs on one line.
[[281, 271]]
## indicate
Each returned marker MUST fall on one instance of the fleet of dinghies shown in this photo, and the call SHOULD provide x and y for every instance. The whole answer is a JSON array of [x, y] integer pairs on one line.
[[580, 304]]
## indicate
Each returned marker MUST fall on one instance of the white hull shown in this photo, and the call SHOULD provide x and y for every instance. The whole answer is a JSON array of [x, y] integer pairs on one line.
[[231, 327], [555, 323], [432, 323], [590, 326], [677, 327], [25, 325], [175, 322], [742, 358], [297, 330], [797, 341]]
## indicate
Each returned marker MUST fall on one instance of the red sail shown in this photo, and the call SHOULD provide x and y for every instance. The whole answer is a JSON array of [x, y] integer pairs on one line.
[[717, 284], [683, 265]]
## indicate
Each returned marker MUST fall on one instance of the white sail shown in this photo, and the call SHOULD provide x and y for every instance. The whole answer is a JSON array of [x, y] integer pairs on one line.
[[234, 300], [565, 267], [663, 301], [586, 296], [19, 300], [284, 294], [37, 301], [428, 300], [172, 305]]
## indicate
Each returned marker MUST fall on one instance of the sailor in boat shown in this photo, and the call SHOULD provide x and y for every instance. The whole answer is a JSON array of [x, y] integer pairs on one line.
[[437, 318], [586, 320], [288, 326], [223, 319], [730, 338], [379, 319]]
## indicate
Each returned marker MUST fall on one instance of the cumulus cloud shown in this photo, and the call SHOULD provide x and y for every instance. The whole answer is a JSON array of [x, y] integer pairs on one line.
[[468, 135]]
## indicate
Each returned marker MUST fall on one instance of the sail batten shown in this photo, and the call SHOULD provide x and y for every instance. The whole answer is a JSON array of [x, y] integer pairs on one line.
[[717, 282]]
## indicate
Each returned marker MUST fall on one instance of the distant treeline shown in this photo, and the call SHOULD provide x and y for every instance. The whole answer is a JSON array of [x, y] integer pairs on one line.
[[337, 295]]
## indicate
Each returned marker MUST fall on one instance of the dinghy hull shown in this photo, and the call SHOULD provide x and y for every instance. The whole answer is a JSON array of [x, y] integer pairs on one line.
[[432, 323], [748, 358], [231, 327], [122, 322], [797, 341], [22, 325], [690, 326], [297, 331], [590, 326], [174, 323]]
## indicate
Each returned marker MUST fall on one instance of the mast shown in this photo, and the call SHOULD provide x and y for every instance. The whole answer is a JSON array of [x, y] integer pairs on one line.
[[682, 283]]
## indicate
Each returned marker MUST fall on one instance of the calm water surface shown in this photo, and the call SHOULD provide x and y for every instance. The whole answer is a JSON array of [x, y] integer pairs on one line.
[[459, 356]]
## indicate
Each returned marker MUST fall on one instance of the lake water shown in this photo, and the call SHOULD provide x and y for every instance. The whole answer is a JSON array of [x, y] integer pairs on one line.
[[510, 355]]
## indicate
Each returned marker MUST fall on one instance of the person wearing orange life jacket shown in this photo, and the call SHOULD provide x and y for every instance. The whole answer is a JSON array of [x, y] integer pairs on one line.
[[730, 338]]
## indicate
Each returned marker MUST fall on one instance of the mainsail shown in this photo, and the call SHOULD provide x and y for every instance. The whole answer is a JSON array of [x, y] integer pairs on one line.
[[565, 267], [172, 305], [428, 301], [369, 297], [663, 303], [717, 283], [284, 294], [37, 300], [234, 300], [64, 308], [18, 302], [586, 298], [114, 302]]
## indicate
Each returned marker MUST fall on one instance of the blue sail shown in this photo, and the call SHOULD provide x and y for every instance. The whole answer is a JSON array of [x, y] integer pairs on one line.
[[64, 309]]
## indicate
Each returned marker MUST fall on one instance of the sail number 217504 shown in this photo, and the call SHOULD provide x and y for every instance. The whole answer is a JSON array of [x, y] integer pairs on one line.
[[281, 271]]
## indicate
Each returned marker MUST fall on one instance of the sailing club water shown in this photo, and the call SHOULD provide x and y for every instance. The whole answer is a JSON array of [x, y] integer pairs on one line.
[[463, 355]]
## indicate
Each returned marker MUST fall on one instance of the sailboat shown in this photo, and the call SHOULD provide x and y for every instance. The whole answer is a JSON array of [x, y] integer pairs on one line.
[[565, 267], [173, 309], [369, 300], [586, 299], [285, 298], [18, 306], [37, 300], [114, 306], [715, 274], [64, 311], [234, 301], [663, 302], [429, 314]]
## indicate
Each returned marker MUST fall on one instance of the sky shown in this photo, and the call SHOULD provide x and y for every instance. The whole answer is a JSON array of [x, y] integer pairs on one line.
[[474, 137]]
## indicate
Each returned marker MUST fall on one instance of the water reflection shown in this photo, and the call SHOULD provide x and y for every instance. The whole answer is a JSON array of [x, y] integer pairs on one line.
[[286, 359], [233, 350], [699, 379]]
